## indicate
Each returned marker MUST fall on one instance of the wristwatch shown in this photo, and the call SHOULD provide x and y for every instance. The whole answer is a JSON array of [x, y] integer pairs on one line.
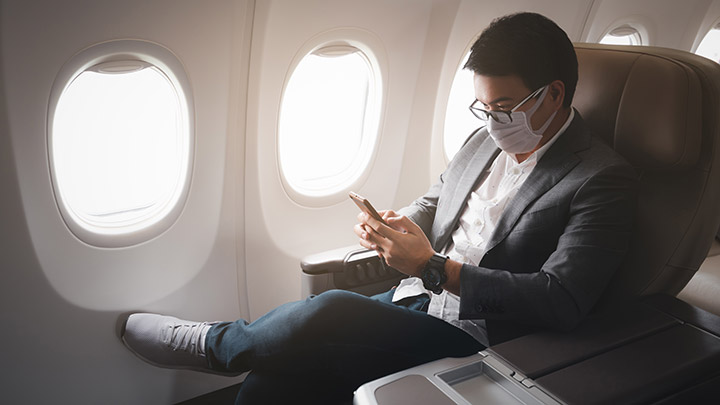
[[433, 274]]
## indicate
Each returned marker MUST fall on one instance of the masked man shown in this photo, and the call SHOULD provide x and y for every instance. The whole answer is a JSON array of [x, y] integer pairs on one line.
[[523, 232]]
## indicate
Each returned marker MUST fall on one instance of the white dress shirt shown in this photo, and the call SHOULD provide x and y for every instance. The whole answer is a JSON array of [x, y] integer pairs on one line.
[[475, 227]]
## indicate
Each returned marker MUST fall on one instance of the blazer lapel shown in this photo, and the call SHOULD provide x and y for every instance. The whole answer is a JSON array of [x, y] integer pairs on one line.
[[551, 168], [456, 198]]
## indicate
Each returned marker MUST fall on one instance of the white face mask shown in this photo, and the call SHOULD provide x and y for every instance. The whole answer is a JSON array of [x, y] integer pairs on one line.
[[518, 136]]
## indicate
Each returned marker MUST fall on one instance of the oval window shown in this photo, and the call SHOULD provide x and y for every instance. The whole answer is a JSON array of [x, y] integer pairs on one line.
[[622, 35], [710, 45], [329, 120], [459, 121], [120, 143]]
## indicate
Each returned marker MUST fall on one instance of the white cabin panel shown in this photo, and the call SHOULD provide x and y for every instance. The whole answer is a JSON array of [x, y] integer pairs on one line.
[[62, 297], [280, 231]]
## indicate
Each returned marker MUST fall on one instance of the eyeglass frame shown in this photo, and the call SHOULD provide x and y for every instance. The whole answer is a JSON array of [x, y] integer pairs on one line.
[[485, 115]]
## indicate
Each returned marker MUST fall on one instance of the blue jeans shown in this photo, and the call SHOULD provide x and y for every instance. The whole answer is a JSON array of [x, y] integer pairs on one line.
[[321, 349]]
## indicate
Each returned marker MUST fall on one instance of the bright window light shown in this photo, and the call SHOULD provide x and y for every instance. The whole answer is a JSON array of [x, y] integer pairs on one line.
[[623, 35], [459, 121], [120, 147], [710, 45], [328, 120]]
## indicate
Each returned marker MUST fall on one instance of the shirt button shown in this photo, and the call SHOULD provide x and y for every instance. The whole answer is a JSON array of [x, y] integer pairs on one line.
[[479, 307]]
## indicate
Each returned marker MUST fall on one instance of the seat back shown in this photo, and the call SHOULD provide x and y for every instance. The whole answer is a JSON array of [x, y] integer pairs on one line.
[[660, 109]]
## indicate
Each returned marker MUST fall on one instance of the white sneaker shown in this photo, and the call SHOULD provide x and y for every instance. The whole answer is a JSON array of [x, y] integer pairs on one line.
[[169, 342]]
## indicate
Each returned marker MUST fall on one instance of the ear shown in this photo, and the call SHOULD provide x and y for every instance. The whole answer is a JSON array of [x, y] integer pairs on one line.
[[556, 93]]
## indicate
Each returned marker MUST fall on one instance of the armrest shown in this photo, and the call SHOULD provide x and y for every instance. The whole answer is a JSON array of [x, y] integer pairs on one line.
[[348, 268], [545, 352], [331, 261]]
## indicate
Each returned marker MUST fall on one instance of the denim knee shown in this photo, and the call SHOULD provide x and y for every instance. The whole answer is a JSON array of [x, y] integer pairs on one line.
[[334, 300]]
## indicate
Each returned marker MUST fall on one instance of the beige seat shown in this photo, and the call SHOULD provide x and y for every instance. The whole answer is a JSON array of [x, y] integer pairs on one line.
[[660, 108]]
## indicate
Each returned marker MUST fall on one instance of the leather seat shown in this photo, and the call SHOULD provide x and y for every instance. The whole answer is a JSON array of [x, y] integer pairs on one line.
[[659, 108]]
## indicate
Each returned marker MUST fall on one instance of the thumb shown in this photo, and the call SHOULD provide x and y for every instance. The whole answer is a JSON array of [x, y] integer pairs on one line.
[[401, 223]]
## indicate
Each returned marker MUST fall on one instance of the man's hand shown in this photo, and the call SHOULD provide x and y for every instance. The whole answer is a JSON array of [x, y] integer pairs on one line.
[[403, 244]]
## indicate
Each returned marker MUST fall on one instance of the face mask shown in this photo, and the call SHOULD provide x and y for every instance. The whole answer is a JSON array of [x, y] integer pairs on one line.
[[518, 136]]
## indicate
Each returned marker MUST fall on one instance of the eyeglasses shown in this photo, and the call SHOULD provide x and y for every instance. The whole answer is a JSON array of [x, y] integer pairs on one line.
[[503, 117]]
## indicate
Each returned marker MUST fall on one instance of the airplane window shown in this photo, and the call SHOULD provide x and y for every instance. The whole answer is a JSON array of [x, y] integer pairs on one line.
[[710, 45], [622, 35], [120, 147], [459, 122], [329, 120]]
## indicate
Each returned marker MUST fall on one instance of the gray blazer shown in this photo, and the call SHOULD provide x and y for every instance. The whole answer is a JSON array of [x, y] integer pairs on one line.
[[558, 242]]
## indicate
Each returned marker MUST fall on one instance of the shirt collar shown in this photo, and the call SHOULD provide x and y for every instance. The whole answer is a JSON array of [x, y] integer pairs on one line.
[[541, 151]]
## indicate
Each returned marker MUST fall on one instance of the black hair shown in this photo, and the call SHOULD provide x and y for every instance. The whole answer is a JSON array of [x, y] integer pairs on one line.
[[527, 45]]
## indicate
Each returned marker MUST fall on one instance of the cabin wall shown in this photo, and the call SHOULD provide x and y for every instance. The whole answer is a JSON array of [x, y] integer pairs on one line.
[[280, 230], [672, 24], [234, 252], [61, 298]]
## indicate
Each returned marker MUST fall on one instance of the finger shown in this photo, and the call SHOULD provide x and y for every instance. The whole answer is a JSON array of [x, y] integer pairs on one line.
[[382, 229], [360, 231], [387, 215], [397, 224], [367, 244], [404, 224], [374, 237], [373, 241]]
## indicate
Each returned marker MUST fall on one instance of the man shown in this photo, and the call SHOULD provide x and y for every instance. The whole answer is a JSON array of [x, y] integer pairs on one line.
[[524, 231]]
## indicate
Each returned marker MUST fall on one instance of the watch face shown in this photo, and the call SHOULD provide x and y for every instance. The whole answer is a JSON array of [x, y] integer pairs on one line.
[[433, 277]]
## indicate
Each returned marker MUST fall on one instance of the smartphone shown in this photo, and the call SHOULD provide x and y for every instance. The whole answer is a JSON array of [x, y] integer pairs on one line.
[[365, 206]]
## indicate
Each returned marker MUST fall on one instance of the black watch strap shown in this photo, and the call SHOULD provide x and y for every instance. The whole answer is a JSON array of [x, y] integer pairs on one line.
[[433, 274]]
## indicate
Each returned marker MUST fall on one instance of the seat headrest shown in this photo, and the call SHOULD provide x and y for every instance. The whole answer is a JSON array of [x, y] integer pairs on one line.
[[643, 102]]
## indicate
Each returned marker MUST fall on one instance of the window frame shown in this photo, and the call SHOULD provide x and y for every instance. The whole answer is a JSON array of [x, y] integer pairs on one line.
[[153, 224], [372, 50], [702, 35], [459, 138], [639, 30]]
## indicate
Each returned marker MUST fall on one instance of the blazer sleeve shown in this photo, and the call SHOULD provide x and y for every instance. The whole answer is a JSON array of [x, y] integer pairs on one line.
[[422, 210], [589, 250]]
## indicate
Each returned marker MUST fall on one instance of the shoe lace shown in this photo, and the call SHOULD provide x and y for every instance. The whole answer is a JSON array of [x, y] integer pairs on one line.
[[187, 337]]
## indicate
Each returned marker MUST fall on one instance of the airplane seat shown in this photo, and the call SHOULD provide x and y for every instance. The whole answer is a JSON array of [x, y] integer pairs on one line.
[[659, 109]]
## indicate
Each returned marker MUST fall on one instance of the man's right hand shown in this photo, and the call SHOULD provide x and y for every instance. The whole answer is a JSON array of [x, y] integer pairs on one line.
[[401, 243]]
